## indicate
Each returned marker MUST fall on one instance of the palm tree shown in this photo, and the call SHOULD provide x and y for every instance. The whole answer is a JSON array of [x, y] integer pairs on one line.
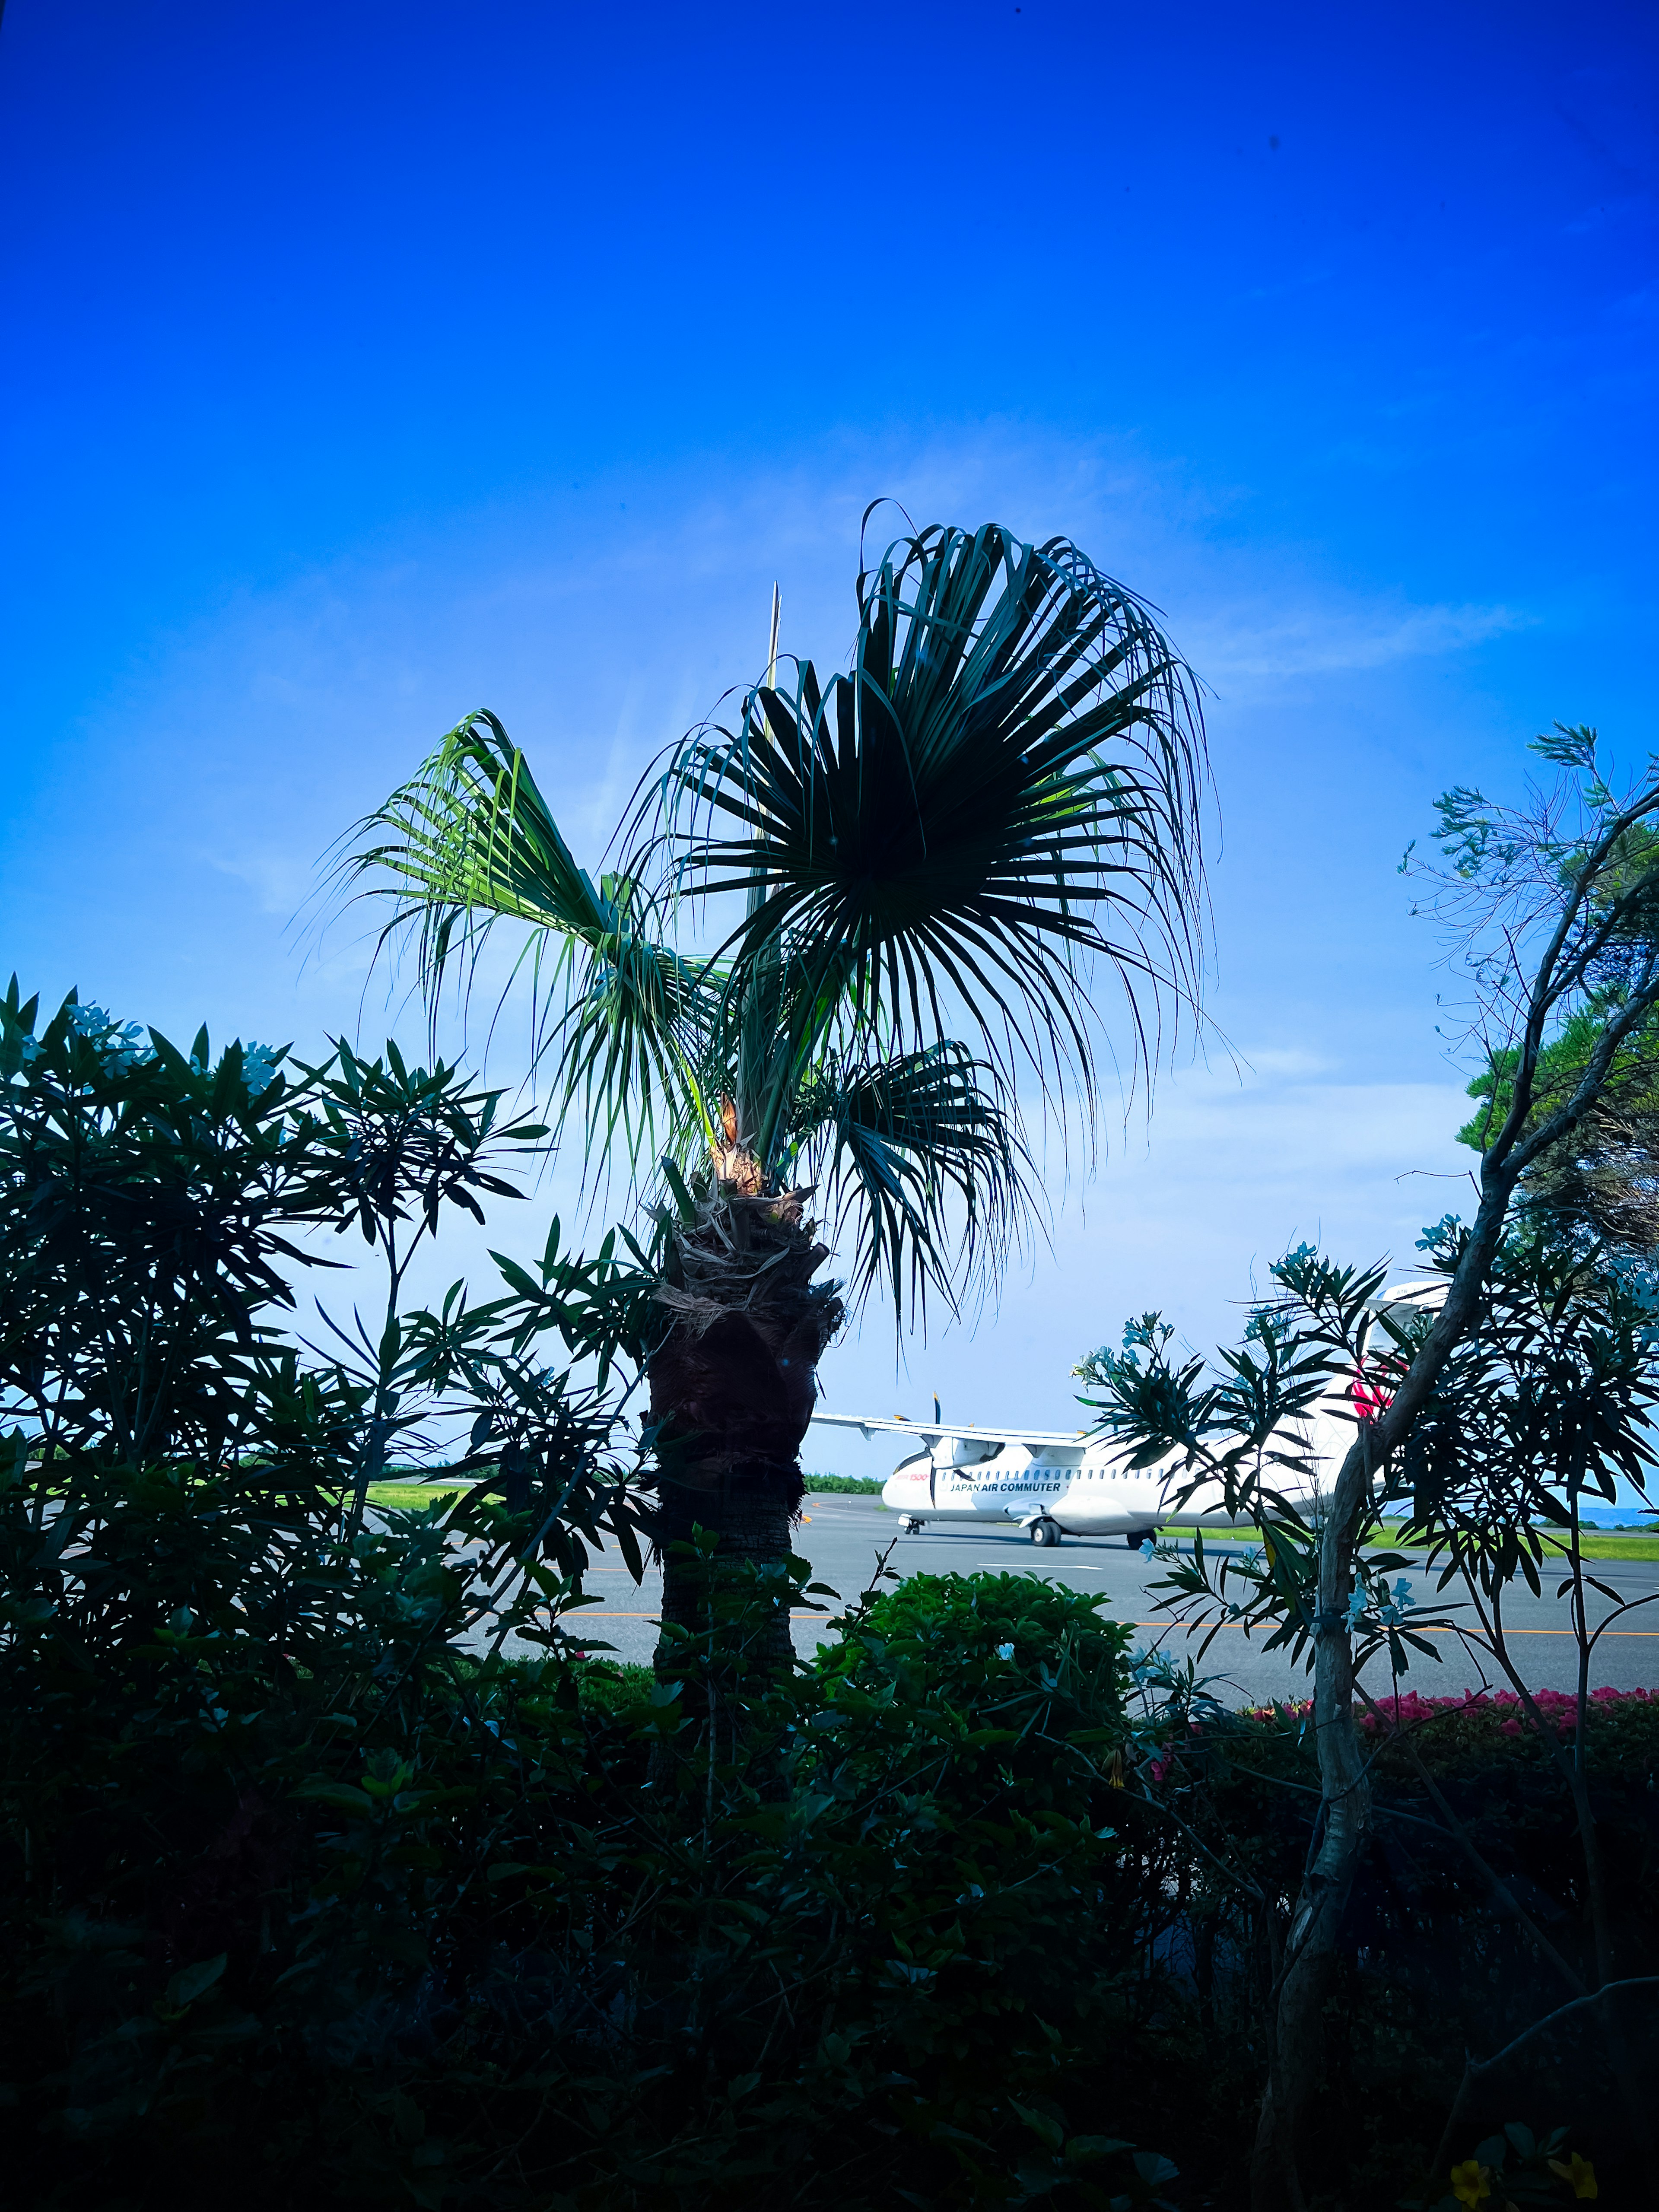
[[929, 863]]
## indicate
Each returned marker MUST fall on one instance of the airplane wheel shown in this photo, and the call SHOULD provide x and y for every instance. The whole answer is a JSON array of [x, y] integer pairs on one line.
[[1137, 1537], [1044, 1533], [912, 1527]]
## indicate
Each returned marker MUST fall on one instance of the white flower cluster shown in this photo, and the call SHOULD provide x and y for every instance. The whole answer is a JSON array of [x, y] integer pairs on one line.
[[120, 1043], [1392, 1606], [259, 1064]]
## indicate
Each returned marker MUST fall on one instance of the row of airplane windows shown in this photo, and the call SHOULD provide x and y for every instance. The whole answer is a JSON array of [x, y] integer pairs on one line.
[[1030, 1474]]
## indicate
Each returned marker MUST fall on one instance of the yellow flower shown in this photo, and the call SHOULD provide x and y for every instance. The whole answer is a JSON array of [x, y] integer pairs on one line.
[[1580, 2172], [1471, 2183]]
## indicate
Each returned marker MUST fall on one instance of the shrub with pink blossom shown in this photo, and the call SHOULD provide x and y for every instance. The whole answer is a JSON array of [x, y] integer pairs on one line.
[[1558, 1707]]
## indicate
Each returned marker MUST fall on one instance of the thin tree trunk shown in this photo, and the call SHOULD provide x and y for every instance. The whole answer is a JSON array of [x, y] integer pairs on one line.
[[1345, 1809]]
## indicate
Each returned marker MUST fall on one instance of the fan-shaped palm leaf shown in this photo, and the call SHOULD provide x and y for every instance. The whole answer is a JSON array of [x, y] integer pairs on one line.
[[1003, 791]]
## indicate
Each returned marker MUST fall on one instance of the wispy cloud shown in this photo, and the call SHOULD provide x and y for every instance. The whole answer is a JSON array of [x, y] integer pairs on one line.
[[1262, 642], [600, 634]]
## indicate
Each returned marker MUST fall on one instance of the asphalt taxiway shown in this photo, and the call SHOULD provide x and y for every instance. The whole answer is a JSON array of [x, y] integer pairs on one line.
[[843, 1536]]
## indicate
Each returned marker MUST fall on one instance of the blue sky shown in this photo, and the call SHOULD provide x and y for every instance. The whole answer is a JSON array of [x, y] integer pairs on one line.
[[366, 365]]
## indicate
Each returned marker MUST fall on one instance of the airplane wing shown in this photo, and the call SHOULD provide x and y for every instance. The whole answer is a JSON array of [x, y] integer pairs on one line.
[[869, 1424]]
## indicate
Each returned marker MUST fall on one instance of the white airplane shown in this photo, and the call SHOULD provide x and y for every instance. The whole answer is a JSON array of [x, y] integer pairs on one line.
[[1050, 1483], [1055, 1483]]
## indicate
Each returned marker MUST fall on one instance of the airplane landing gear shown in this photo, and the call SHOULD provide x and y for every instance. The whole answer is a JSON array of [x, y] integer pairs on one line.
[[911, 1526], [1045, 1532], [1137, 1537]]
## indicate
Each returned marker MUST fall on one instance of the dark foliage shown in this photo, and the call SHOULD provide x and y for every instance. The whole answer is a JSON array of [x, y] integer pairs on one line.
[[331, 1869], [305, 1884], [1434, 1961]]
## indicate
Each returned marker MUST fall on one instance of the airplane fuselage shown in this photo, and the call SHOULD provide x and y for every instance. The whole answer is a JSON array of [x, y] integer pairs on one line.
[[1080, 1494], [1059, 1484]]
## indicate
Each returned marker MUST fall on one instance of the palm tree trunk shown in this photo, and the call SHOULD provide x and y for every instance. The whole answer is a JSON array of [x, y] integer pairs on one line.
[[734, 1381]]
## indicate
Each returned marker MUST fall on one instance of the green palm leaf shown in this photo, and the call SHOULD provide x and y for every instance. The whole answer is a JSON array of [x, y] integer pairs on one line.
[[468, 842], [919, 1160]]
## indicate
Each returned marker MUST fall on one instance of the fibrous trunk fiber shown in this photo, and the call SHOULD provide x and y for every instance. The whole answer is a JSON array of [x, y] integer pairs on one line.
[[734, 1383]]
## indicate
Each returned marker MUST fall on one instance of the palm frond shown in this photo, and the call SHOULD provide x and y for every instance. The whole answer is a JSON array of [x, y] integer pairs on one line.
[[470, 841], [919, 1159], [1001, 795]]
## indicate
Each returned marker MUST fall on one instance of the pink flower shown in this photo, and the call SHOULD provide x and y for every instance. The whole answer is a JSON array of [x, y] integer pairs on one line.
[[1370, 1400]]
